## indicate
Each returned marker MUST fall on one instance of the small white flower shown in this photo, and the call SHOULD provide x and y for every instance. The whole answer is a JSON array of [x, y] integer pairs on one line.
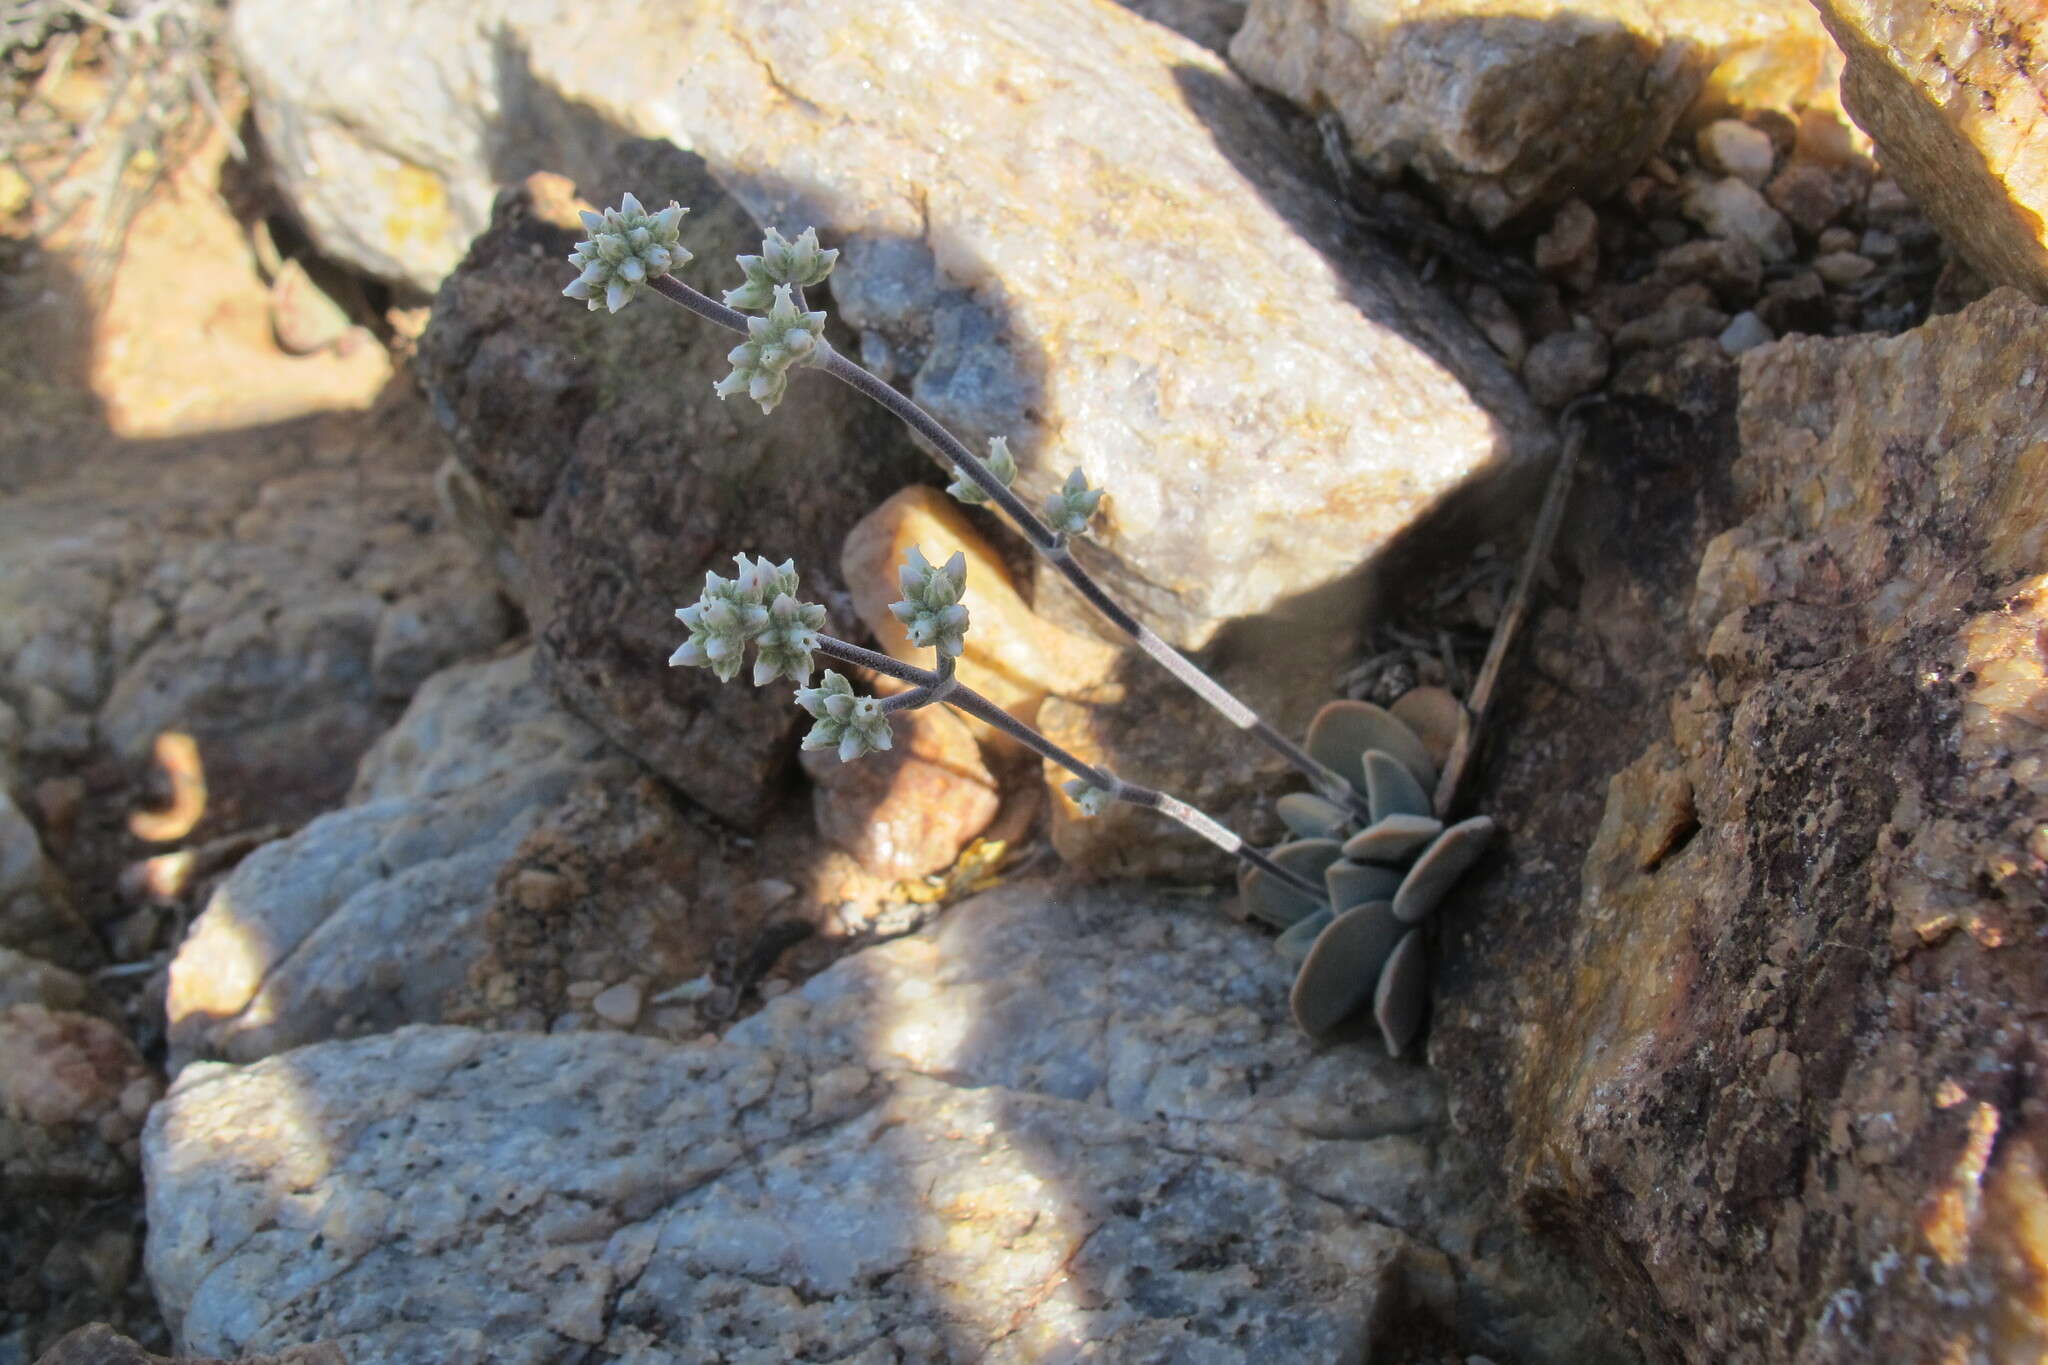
[[781, 262], [628, 246], [1000, 462], [1091, 799], [731, 614], [852, 724], [931, 610], [776, 342], [1068, 510]]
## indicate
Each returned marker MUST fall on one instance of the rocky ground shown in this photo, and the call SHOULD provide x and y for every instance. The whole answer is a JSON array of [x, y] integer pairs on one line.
[[395, 954]]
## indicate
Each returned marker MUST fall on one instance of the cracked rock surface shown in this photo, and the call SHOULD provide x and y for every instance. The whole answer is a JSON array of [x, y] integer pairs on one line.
[[277, 595], [1061, 1123]]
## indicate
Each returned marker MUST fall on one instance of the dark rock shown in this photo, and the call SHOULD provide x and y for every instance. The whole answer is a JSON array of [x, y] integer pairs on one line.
[[640, 480], [1772, 1079]]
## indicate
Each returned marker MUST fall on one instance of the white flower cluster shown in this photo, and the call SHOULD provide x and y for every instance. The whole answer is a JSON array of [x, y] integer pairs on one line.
[[628, 246], [853, 725], [781, 261], [1068, 510], [931, 611], [1001, 463], [758, 606], [785, 337]]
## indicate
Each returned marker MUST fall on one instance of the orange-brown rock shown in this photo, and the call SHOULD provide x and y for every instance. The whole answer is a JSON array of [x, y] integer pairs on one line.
[[911, 809], [1955, 94]]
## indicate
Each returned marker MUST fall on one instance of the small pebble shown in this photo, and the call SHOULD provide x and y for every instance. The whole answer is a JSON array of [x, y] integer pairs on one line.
[[618, 1005], [1842, 268], [1565, 365], [1837, 239], [1570, 251], [1878, 244], [1744, 332], [1734, 148], [1732, 208]]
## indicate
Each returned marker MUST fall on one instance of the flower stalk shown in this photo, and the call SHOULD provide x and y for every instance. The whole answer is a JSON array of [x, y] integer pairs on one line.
[[1048, 542]]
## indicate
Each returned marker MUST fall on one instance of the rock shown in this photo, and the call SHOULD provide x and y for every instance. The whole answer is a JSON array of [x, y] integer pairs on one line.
[[100, 1344], [73, 1092], [37, 912], [987, 291], [1842, 268], [369, 916], [1014, 657], [1488, 310], [907, 1151], [1744, 332], [1207, 22], [1730, 267], [910, 810], [636, 489], [617, 1005], [1166, 738], [1768, 1082], [1733, 147], [1509, 112], [1812, 196], [244, 593], [1954, 98], [26, 980], [1569, 252], [1670, 325], [1731, 208], [1564, 365], [1797, 303]]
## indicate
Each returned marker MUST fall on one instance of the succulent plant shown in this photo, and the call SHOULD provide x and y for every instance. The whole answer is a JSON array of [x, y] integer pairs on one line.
[[1361, 943], [628, 246], [776, 342], [1067, 510], [781, 261], [1001, 463]]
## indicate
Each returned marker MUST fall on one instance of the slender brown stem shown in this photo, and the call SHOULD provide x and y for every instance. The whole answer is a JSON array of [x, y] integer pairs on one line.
[[1541, 538]]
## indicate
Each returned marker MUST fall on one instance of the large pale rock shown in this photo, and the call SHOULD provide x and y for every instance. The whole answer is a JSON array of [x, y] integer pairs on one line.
[[1105, 249], [1062, 1124], [369, 916], [604, 432], [275, 595], [1956, 99], [1764, 1066], [499, 863], [1509, 108]]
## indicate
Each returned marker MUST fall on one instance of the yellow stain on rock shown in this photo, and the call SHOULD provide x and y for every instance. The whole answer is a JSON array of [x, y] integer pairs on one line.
[[417, 214]]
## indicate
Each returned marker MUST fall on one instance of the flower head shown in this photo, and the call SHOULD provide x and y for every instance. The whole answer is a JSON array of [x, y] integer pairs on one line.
[[628, 246], [757, 605], [783, 338], [854, 725], [931, 609], [1091, 799], [1068, 510], [784, 648], [1001, 463], [781, 261]]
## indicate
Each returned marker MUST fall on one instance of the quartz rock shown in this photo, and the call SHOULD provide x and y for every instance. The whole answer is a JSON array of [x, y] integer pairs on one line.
[[1118, 194], [369, 916], [1954, 97], [908, 1150]]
